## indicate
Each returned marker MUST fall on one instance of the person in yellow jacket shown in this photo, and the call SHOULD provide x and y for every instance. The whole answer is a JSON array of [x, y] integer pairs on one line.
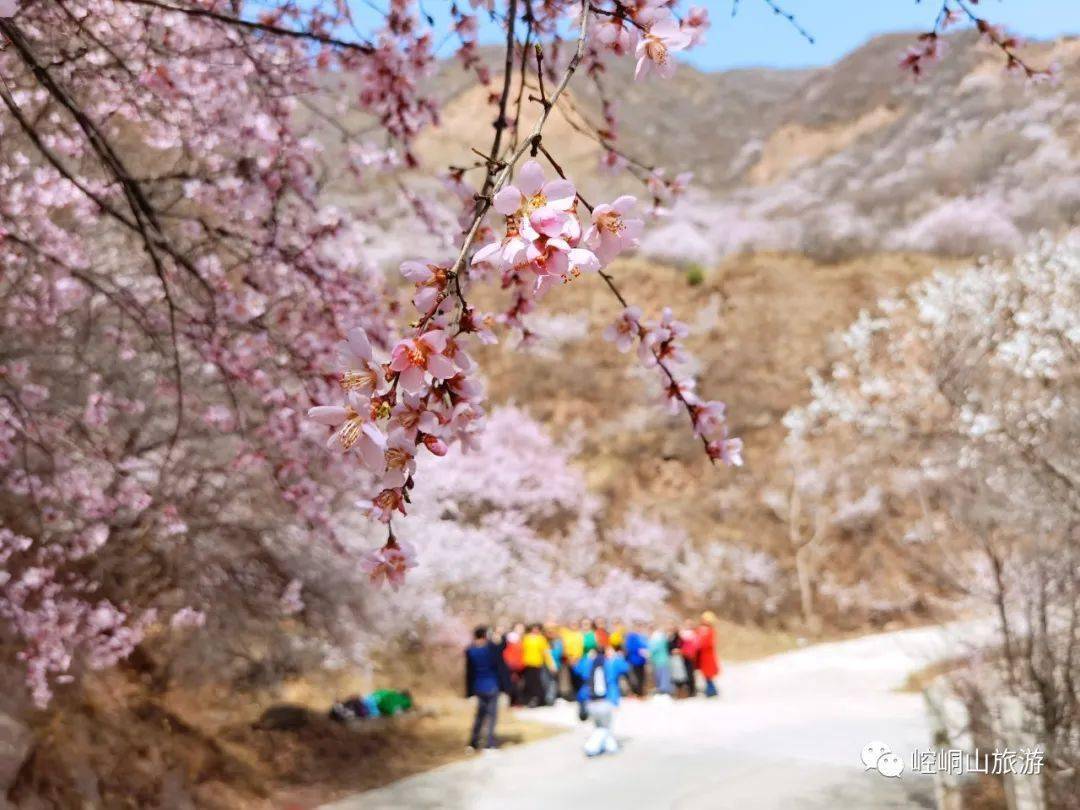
[[535, 654], [617, 637], [573, 639]]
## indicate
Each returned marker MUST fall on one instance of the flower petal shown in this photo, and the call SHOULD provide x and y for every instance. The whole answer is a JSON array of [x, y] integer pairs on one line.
[[441, 367], [548, 221], [486, 252], [644, 65], [416, 272], [327, 414], [412, 379], [583, 259], [425, 299], [531, 178], [507, 201], [560, 194], [371, 455], [435, 339], [359, 343]]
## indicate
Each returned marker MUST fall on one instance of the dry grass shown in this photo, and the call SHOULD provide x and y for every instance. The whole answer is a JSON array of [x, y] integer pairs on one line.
[[737, 642], [327, 760], [123, 745], [920, 679]]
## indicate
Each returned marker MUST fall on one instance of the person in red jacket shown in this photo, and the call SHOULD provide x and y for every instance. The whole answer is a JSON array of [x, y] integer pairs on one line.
[[688, 645], [602, 635], [513, 656], [707, 661]]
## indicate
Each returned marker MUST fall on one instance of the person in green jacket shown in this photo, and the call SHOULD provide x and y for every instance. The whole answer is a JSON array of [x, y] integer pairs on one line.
[[390, 701], [660, 659], [590, 635]]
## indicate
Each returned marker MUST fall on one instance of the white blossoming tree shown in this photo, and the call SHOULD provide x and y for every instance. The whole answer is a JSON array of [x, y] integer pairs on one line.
[[972, 379]]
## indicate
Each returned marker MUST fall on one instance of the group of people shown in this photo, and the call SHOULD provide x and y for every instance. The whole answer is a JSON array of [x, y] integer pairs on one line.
[[587, 662]]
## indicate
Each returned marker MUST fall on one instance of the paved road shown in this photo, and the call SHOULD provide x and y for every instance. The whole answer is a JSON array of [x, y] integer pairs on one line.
[[786, 733]]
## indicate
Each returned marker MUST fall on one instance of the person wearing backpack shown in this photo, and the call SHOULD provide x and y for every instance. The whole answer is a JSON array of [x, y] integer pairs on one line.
[[600, 671]]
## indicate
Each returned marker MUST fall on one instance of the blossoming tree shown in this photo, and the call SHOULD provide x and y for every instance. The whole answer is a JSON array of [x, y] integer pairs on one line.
[[970, 380]]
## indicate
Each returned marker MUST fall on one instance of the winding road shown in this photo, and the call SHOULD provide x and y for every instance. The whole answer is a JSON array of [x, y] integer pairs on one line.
[[786, 733]]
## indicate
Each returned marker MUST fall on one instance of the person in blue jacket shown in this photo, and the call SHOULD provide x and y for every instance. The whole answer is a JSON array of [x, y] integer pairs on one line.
[[486, 675], [552, 675], [637, 651], [600, 671]]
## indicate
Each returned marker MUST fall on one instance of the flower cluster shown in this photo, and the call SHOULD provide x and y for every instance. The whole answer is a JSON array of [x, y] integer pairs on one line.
[[59, 617], [543, 236], [421, 398], [929, 47], [651, 32], [544, 240], [659, 347]]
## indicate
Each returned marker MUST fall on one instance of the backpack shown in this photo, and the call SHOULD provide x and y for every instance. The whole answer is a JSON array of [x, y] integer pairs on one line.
[[598, 679]]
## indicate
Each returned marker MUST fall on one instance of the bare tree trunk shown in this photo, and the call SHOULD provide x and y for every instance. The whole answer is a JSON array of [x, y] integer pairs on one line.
[[805, 557], [803, 573]]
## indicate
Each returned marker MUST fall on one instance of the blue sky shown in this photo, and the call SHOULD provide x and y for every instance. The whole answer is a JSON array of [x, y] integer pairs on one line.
[[757, 37]]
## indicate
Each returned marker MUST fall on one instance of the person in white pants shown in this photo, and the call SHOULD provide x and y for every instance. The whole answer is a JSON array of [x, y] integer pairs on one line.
[[600, 672], [602, 740]]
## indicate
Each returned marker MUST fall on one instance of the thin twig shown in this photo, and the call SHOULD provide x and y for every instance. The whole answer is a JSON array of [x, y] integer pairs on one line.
[[269, 28]]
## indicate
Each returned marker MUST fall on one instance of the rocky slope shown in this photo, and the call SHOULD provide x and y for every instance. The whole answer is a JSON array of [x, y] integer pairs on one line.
[[837, 161]]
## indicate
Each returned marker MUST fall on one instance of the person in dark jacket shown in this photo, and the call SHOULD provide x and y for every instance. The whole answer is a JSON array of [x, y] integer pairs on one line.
[[485, 676]]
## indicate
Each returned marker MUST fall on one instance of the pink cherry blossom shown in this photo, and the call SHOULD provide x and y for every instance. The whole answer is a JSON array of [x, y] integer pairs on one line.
[[611, 233], [362, 373], [679, 393], [504, 252], [666, 191], [536, 205], [557, 261], [616, 34], [696, 23], [663, 37], [412, 414], [708, 418], [356, 430], [625, 330], [430, 281], [400, 459], [412, 357], [436, 445], [390, 563], [383, 506]]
